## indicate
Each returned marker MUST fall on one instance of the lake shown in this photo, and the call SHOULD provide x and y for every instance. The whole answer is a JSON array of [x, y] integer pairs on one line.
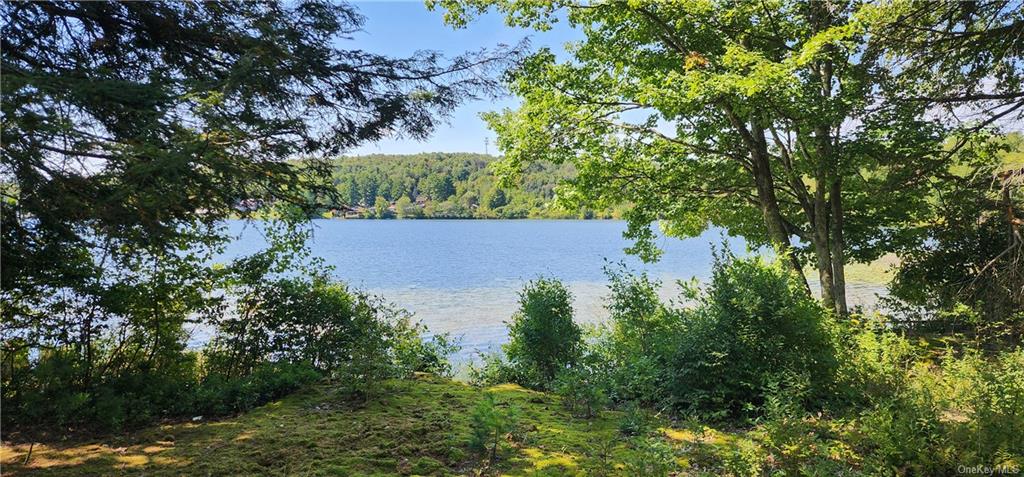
[[462, 276]]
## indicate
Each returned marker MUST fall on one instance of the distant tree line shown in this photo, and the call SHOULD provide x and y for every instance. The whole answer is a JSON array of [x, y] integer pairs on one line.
[[447, 185]]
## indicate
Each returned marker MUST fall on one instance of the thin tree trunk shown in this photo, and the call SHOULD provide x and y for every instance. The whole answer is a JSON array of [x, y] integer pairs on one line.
[[822, 206], [87, 330], [838, 247]]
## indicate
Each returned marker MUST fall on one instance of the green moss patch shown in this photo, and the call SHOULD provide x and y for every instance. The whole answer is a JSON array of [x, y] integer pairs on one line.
[[412, 427]]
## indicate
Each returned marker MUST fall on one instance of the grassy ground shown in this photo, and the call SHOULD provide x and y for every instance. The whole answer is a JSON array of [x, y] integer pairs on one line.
[[421, 426], [413, 427], [878, 272]]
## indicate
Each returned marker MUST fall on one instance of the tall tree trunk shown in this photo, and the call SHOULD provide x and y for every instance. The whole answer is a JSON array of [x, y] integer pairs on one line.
[[838, 246], [769, 203], [754, 139], [824, 216], [828, 227], [820, 237]]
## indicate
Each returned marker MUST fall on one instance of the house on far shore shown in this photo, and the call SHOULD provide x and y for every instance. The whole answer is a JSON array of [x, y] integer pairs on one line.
[[249, 205], [349, 212]]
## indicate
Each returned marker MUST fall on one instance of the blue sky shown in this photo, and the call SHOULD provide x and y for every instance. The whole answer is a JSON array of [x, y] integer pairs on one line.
[[401, 28]]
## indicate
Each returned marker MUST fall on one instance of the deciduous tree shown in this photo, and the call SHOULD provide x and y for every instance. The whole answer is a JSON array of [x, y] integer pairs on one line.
[[782, 122]]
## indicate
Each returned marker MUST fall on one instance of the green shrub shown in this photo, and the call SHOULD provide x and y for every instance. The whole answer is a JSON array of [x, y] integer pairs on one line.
[[635, 421], [219, 395], [915, 416], [582, 387], [641, 340], [634, 311], [599, 458], [543, 337], [875, 362], [791, 441], [990, 395], [280, 323], [354, 338], [492, 369], [754, 325], [967, 411], [489, 422], [295, 334], [415, 353], [904, 434], [50, 390], [650, 457], [896, 400]]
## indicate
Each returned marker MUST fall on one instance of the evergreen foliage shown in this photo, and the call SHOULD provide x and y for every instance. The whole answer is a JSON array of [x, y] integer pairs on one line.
[[130, 131], [490, 421]]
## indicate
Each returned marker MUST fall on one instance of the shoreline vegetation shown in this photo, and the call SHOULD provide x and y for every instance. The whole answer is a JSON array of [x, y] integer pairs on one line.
[[561, 401]]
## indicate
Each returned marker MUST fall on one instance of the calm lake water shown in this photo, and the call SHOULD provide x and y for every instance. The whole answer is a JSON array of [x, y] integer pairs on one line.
[[462, 276]]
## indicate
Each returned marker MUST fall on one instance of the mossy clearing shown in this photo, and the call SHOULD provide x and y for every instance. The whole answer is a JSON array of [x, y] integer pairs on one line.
[[418, 426]]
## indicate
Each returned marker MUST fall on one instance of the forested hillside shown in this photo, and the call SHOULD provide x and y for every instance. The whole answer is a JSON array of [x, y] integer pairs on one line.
[[446, 185]]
